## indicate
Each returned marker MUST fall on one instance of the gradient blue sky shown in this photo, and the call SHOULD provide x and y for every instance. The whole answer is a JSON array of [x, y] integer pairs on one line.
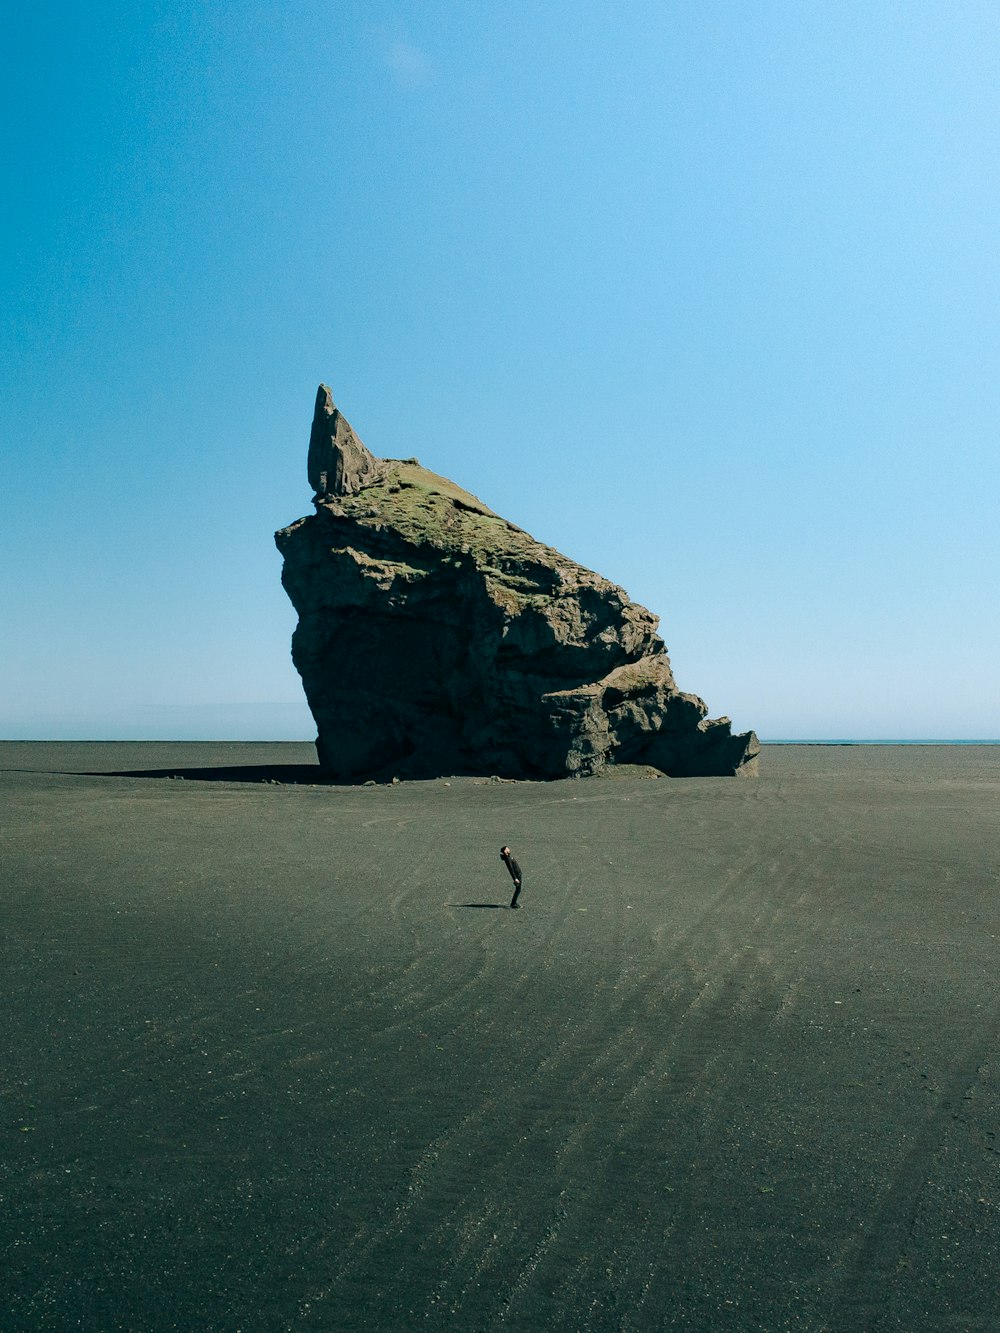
[[704, 294]]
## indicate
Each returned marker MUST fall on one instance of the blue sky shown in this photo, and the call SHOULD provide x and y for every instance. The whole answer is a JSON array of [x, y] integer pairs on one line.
[[704, 295]]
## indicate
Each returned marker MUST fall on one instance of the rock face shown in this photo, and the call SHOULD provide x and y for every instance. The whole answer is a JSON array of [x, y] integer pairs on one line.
[[436, 638], [338, 464]]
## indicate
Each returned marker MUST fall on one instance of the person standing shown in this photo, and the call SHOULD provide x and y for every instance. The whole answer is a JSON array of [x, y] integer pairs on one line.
[[507, 857]]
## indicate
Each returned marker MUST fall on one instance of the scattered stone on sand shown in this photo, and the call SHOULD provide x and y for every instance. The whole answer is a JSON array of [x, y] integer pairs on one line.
[[435, 637]]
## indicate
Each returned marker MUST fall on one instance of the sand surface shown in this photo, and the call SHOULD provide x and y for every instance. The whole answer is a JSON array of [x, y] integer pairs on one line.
[[277, 1056]]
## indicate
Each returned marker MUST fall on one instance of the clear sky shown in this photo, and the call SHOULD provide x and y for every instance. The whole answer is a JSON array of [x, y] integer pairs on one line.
[[706, 295]]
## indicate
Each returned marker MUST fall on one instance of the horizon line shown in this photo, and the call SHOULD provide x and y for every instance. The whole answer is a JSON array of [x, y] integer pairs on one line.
[[303, 740]]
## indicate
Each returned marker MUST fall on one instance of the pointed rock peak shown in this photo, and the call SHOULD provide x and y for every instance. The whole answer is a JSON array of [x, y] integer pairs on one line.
[[339, 464]]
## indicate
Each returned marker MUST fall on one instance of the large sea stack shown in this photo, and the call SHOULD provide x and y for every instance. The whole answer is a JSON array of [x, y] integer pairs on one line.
[[435, 638]]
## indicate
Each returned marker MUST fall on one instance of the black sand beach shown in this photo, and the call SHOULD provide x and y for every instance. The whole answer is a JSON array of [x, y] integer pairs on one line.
[[277, 1056]]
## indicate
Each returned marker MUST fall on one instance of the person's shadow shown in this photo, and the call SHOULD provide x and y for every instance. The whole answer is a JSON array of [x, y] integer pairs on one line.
[[496, 907]]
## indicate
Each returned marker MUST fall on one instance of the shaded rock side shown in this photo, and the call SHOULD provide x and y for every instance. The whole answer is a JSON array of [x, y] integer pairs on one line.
[[338, 463], [435, 637]]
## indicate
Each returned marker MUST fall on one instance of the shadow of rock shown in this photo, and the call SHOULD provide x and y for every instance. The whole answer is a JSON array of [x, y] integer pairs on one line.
[[299, 774]]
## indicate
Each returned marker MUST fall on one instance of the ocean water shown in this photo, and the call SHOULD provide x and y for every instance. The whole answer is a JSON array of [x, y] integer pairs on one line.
[[869, 741]]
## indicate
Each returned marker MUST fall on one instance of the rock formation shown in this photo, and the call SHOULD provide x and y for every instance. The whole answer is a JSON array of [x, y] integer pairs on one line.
[[435, 638], [338, 463]]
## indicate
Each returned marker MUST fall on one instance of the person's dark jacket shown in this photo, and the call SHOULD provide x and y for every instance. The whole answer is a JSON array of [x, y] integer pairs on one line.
[[513, 867]]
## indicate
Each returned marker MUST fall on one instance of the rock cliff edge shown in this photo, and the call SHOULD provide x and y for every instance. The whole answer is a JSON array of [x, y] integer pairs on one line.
[[436, 638]]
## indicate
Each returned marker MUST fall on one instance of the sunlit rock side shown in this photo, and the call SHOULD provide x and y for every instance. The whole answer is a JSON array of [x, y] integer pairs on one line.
[[435, 637]]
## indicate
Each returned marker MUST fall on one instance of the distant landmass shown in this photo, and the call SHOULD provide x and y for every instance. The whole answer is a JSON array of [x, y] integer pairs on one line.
[[435, 637]]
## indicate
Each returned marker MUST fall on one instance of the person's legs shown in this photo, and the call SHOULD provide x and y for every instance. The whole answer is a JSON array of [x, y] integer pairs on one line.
[[517, 890]]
